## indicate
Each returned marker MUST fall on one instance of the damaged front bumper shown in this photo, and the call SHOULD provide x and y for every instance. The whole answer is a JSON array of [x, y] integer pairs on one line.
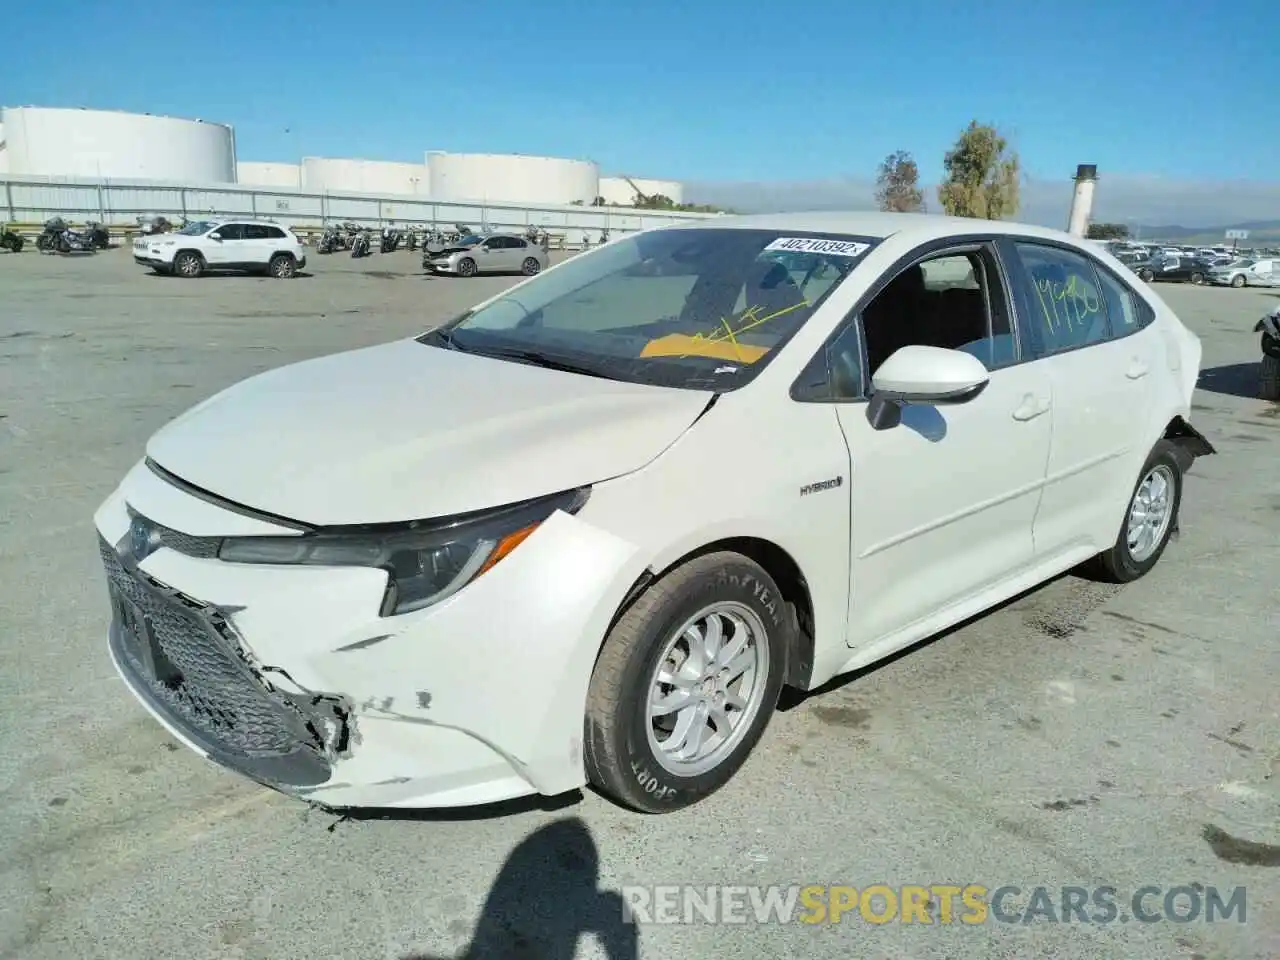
[[289, 676]]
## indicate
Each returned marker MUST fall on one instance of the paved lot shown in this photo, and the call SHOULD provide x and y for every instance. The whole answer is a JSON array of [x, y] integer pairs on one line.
[[1078, 736]]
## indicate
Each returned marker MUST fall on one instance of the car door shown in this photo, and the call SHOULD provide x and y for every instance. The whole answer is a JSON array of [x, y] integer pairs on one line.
[[1099, 369], [256, 247], [943, 503], [228, 246], [1264, 273], [490, 255]]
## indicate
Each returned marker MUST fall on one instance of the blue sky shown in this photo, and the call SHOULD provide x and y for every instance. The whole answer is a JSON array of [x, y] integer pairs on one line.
[[697, 91]]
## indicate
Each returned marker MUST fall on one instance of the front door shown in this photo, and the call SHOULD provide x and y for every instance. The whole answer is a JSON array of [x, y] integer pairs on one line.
[[228, 249], [943, 503]]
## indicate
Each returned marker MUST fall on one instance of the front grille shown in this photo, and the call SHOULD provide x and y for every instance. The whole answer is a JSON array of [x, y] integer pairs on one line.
[[182, 656], [204, 548]]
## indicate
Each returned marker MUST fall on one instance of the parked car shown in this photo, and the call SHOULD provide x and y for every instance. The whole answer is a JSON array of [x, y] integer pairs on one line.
[[223, 245], [475, 253], [1170, 268], [1269, 379], [1246, 272], [587, 531]]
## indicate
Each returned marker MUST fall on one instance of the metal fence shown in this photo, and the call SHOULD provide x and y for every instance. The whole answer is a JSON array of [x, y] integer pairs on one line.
[[31, 200]]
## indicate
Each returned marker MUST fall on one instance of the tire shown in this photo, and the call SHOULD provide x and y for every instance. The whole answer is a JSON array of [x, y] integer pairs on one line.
[[531, 267], [1238, 281], [466, 267], [1269, 379], [622, 751], [1146, 275], [1123, 563], [1197, 278], [283, 266], [188, 264]]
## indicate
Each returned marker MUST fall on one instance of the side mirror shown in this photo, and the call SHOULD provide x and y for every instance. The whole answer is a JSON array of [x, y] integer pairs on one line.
[[216, 236], [923, 375]]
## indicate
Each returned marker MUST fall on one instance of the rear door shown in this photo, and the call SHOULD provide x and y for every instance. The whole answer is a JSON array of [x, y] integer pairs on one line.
[[1099, 367], [257, 246]]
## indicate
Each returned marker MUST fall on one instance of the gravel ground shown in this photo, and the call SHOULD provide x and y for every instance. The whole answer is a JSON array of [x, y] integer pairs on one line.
[[1080, 735]]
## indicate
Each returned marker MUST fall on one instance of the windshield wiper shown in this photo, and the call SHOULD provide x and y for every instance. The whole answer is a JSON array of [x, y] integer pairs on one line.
[[538, 359]]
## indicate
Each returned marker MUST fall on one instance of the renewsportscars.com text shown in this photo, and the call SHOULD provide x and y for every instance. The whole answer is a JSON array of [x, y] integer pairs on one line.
[[968, 905]]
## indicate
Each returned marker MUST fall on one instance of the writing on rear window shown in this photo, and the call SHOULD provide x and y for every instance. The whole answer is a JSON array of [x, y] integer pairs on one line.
[[835, 248]]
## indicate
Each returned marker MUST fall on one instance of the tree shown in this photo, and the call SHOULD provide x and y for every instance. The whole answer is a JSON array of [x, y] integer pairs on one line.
[[898, 185], [982, 174], [1108, 231]]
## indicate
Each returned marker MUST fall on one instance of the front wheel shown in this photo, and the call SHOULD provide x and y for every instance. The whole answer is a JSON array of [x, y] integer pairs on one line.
[[530, 267], [1197, 278], [1146, 275], [1150, 519], [282, 266], [467, 267], [685, 683], [1238, 281], [188, 264]]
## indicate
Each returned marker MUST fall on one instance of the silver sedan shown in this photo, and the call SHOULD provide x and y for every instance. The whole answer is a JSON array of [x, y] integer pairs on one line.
[[487, 253]]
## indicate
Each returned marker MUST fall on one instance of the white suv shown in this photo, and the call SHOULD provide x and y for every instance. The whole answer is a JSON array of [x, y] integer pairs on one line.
[[205, 245]]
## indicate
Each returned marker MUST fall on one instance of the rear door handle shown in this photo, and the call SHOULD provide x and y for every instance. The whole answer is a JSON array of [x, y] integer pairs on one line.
[[1137, 370], [1031, 407]]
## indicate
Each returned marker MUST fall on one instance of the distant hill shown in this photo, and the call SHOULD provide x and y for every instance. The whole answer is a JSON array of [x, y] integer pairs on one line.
[[1260, 231]]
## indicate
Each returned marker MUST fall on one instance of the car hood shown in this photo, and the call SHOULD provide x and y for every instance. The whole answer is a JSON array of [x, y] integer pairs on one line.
[[450, 251], [406, 431]]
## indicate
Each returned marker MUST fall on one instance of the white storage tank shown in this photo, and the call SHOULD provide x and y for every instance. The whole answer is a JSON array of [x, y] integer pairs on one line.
[[621, 192], [511, 178], [256, 174], [60, 142], [378, 177]]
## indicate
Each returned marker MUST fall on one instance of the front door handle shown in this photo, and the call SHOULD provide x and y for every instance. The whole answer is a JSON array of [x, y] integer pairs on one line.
[[1031, 407], [1137, 370]]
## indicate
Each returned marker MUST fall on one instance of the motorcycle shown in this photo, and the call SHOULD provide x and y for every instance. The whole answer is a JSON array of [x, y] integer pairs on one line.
[[389, 240], [57, 237], [98, 235], [1269, 385], [152, 224], [10, 240], [329, 240], [360, 244]]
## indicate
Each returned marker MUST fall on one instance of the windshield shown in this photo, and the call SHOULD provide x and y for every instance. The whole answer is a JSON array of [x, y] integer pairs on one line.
[[1235, 264], [197, 228], [470, 240], [700, 308]]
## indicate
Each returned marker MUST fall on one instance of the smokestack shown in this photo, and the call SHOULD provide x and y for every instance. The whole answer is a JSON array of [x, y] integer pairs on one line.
[[1082, 202]]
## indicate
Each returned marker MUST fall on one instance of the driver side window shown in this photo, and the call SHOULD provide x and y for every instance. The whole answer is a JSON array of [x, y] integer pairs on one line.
[[951, 299]]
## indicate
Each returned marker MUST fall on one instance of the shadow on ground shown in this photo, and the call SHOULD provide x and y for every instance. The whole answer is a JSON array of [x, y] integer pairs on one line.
[[545, 897], [1232, 380]]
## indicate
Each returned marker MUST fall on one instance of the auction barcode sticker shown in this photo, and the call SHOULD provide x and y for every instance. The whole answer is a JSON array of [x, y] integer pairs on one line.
[[837, 248]]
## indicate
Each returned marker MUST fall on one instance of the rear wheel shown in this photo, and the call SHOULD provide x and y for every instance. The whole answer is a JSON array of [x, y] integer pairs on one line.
[[1269, 386], [1146, 275], [282, 266], [685, 684], [1149, 521], [1197, 277], [530, 267], [466, 267], [188, 264]]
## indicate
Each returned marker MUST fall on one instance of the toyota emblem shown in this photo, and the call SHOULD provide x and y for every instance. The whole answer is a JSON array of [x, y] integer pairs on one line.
[[142, 538]]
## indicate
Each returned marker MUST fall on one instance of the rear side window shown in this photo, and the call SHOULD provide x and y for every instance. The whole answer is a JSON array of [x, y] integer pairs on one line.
[[1067, 307], [1125, 309], [275, 233], [255, 231]]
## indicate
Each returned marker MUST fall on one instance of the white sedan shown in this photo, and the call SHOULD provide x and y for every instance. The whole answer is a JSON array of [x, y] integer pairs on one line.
[[588, 531]]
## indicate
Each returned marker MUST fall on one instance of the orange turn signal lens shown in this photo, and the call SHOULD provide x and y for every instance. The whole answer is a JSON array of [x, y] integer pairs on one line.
[[506, 545]]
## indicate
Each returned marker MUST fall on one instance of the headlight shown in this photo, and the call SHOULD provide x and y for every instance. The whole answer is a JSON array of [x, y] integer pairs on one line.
[[425, 561]]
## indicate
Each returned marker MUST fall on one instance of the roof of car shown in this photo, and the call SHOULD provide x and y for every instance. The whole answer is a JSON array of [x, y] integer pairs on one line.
[[859, 223]]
